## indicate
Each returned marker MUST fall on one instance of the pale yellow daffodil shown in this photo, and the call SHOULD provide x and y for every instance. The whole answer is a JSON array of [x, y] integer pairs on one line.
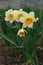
[[21, 32], [10, 15], [28, 20], [20, 13]]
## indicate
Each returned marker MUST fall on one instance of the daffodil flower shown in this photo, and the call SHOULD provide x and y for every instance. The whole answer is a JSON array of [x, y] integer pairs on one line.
[[20, 13], [10, 15], [28, 20], [21, 32]]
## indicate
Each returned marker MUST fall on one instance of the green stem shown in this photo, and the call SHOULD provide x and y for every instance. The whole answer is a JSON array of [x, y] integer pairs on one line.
[[36, 58]]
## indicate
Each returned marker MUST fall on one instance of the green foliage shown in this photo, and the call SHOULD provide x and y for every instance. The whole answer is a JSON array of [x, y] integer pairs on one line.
[[26, 44]]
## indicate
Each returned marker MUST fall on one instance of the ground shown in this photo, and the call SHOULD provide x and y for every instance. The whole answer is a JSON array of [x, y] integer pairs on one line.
[[7, 56]]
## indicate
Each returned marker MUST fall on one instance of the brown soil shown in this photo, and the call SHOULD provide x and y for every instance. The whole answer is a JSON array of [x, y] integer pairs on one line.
[[7, 56]]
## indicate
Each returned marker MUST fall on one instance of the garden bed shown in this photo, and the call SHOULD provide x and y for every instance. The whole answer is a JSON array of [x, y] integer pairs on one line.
[[7, 52], [7, 55]]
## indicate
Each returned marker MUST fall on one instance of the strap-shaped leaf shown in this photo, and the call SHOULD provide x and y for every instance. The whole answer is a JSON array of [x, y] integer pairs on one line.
[[9, 40]]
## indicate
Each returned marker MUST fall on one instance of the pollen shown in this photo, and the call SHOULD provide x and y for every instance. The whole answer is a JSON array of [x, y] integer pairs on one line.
[[11, 16], [28, 21], [20, 15], [22, 33]]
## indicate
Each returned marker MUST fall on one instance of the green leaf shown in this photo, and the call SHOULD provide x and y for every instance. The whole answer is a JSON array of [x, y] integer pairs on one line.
[[9, 40], [36, 58], [27, 57]]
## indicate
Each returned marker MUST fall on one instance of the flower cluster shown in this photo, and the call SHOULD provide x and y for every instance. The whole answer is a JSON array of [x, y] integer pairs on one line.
[[27, 19]]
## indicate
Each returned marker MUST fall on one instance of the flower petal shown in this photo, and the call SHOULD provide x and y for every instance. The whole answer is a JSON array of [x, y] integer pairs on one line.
[[31, 14], [21, 20], [36, 19], [6, 19], [20, 9], [24, 25], [31, 25]]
